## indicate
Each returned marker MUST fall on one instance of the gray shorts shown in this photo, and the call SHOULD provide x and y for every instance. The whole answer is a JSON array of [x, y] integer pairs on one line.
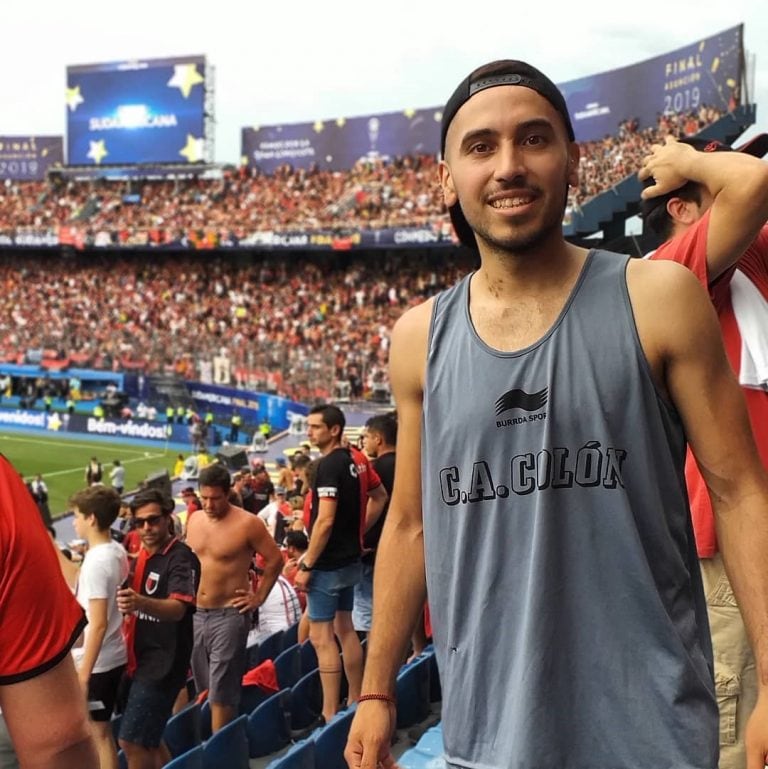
[[219, 654]]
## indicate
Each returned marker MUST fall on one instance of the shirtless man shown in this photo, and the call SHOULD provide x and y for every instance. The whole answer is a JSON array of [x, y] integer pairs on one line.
[[225, 540]]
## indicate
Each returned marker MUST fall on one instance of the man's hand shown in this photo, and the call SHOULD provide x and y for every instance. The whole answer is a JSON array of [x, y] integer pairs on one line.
[[368, 744], [301, 581], [245, 601], [667, 164], [756, 738], [128, 600]]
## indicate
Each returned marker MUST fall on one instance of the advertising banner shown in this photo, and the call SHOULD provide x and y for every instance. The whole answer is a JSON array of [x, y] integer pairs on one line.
[[29, 158]]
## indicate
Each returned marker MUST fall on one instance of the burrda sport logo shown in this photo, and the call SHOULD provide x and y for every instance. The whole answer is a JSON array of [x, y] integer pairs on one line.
[[521, 400]]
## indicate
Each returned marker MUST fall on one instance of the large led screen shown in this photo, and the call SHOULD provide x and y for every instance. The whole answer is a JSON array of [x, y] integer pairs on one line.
[[136, 112]]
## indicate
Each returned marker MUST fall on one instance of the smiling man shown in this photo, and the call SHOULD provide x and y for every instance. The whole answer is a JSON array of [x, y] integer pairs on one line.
[[226, 538], [544, 402]]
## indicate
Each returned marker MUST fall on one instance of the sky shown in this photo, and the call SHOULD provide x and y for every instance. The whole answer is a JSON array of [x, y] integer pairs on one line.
[[285, 62]]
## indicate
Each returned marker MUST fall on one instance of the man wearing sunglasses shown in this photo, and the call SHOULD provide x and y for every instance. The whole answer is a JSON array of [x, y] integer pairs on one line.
[[159, 603]]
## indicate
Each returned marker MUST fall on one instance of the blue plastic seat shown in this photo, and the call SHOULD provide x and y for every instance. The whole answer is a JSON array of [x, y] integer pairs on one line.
[[271, 646], [205, 720], [308, 657], [269, 725], [412, 689], [331, 740], [300, 756], [228, 747], [288, 666], [182, 732], [291, 635], [306, 700], [192, 759], [251, 697]]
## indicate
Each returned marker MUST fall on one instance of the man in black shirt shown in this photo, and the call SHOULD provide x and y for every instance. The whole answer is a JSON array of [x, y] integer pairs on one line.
[[345, 494], [379, 443], [160, 601]]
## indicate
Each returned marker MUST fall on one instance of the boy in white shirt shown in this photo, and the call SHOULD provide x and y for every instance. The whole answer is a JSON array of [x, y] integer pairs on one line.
[[105, 567]]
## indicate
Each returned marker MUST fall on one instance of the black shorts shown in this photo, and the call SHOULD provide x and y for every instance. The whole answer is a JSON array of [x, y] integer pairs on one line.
[[102, 693]]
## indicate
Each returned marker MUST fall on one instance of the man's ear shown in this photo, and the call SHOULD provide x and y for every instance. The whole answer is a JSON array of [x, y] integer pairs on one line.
[[574, 155], [446, 183], [681, 211]]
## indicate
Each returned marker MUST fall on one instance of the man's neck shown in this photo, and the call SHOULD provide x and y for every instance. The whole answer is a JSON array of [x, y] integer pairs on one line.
[[331, 447], [159, 547], [97, 537], [384, 451]]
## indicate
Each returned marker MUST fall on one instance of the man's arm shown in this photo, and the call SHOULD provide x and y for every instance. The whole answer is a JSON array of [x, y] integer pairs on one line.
[[377, 501], [686, 338], [399, 576], [262, 542], [738, 184], [164, 609], [48, 722], [321, 532]]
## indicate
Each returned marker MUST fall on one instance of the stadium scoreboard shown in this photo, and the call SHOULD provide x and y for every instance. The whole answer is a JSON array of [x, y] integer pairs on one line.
[[151, 111]]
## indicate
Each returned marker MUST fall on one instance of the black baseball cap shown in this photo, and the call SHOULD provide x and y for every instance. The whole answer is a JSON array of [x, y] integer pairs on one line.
[[757, 146], [501, 72]]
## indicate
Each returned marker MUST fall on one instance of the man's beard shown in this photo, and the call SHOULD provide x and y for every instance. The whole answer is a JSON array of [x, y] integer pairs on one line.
[[528, 241]]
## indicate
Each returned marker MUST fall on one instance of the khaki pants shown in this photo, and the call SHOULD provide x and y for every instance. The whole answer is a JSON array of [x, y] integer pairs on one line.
[[735, 672]]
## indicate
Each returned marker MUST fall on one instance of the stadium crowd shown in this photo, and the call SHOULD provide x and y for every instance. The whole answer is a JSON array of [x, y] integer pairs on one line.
[[211, 213], [274, 319]]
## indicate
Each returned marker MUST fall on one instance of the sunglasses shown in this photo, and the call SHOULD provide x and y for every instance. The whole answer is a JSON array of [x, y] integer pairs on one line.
[[152, 520]]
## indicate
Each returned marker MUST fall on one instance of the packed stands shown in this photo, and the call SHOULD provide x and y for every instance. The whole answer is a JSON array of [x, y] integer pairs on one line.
[[224, 212], [273, 318]]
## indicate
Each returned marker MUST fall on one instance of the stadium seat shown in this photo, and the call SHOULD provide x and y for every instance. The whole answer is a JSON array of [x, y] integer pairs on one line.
[[308, 657], [300, 756], [427, 753], [271, 646], [288, 666], [205, 720], [291, 635], [412, 687], [228, 747], [192, 759], [251, 697], [331, 739], [122, 761], [182, 732], [269, 725], [306, 700], [115, 724]]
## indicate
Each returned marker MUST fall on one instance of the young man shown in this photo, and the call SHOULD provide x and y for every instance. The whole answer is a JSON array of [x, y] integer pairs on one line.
[[346, 496], [161, 603], [105, 567], [714, 223], [379, 443], [41, 700], [225, 539], [544, 402]]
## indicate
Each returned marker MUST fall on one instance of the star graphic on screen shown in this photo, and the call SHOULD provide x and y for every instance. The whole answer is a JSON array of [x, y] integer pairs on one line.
[[185, 77], [98, 151], [193, 150], [318, 126], [74, 98], [341, 122]]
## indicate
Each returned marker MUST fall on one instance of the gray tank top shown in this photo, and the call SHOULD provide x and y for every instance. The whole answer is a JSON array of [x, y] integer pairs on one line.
[[569, 618]]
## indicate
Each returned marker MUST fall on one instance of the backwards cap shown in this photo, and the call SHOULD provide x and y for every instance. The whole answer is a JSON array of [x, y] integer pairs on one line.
[[502, 72], [757, 147]]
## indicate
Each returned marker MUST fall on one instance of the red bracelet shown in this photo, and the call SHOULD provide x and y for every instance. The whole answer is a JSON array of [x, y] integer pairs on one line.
[[380, 697]]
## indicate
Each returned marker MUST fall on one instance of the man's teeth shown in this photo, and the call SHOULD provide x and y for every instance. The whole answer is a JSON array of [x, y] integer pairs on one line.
[[511, 202]]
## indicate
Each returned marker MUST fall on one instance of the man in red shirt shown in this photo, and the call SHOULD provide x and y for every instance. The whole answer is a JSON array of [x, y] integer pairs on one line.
[[712, 215], [40, 697]]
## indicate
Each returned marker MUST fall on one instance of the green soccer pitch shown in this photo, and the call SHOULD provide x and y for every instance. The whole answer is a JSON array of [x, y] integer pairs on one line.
[[62, 462]]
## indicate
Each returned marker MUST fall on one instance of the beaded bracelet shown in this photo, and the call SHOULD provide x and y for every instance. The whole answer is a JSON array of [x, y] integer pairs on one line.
[[380, 697]]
